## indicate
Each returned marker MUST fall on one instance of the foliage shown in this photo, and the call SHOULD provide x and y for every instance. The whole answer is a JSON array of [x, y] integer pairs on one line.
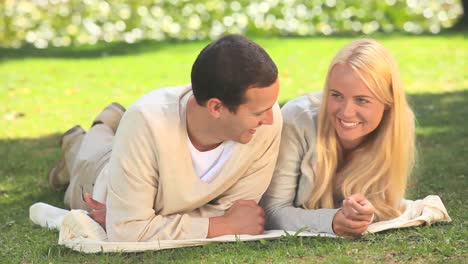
[[42, 23]]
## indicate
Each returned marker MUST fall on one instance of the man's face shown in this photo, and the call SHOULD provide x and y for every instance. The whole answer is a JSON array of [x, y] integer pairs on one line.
[[256, 111]]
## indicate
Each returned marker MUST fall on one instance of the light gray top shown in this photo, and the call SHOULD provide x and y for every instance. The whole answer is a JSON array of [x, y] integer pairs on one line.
[[293, 178]]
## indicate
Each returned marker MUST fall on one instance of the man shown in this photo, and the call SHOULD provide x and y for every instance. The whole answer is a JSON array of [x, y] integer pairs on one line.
[[185, 162]]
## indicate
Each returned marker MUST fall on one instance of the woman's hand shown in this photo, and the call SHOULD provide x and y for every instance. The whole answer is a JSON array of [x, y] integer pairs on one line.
[[354, 217], [342, 226], [356, 207]]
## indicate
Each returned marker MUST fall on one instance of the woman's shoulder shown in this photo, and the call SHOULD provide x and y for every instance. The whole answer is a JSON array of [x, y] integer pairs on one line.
[[303, 107]]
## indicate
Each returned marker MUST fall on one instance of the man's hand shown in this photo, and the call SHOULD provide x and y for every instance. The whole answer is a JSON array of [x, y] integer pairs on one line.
[[354, 217], [99, 210], [244, 217]]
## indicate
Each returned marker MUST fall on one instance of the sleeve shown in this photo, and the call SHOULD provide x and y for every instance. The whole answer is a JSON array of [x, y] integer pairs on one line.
[[278, 201], [133, 188]]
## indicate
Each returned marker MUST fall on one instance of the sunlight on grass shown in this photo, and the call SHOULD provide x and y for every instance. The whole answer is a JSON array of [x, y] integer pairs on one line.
[[44, 93], [61, 92]]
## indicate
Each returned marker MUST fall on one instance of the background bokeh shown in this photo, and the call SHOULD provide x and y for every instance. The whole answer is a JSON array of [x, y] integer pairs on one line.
[[61, 23]]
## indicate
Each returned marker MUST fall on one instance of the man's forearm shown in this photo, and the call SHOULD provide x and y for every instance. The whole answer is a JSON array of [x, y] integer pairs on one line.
[[218, 226]]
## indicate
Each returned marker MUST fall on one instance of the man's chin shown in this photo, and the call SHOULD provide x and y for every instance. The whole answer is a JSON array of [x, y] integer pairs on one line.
[[245, 139]]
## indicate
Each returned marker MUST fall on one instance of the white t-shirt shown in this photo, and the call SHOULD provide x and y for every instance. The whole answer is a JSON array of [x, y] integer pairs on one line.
[[100, 185], [208, 163]]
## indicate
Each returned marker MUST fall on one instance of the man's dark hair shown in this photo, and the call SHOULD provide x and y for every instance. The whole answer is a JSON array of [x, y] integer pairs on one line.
[[227, 67]]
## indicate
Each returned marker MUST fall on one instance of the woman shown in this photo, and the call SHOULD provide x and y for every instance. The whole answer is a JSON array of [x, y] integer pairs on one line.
[[344, 161]]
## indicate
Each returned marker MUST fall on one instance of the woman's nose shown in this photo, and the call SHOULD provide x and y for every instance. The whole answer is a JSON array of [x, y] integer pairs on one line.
[[348, 109]]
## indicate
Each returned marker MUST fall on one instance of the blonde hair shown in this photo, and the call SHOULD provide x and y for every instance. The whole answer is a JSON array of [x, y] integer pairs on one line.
[[380, 166]]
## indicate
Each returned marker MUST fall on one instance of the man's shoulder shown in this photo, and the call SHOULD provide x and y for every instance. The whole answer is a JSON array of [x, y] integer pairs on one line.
[[161, 96], [159, 107]]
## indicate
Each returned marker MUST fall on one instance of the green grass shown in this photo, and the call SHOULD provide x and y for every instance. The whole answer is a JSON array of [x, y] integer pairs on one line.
[[43, 93]]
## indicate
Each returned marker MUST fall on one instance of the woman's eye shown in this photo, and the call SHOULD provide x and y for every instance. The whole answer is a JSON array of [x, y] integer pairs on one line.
[[362, 101], [337, 96]]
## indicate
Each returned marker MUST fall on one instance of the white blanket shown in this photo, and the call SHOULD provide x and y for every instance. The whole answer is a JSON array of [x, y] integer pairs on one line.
[[79, 232]]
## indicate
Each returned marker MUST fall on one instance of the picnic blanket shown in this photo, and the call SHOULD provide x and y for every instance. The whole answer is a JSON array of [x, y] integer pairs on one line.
[[81, 233]]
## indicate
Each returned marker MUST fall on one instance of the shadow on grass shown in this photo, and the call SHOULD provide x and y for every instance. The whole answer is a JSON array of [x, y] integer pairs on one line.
[[103, 49], [24, 164], [442, 143], [99, 50], [442, 140]]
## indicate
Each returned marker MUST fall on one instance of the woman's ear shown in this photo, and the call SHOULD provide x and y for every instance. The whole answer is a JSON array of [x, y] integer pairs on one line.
[[215, 107]]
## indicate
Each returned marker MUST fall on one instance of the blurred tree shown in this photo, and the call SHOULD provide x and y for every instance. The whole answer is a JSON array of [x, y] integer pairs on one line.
[[462, 24], [60, 23]]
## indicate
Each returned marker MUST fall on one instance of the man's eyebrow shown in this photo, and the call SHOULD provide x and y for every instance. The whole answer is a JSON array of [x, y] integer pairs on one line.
[[263, 111]]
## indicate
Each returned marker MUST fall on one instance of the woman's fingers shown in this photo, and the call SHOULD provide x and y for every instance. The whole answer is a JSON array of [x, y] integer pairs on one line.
[[364, 207], [351, 213], [360, 211], [345, 227], [357, 197]]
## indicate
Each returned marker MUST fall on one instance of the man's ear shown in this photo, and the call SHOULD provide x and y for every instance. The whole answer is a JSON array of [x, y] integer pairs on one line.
[[215, 107]]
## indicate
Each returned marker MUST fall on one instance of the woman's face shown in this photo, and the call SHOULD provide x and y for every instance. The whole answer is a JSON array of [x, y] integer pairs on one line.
[[352, 109]]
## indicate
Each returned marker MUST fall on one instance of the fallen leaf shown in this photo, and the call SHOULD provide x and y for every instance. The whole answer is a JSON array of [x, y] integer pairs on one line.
[[352, 251], [13, 115]]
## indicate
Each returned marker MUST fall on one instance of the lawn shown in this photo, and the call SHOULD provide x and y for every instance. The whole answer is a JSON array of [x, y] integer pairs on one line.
[[45, 92]]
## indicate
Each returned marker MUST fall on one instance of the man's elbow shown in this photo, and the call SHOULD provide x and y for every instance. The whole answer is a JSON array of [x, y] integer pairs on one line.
[[120, 235]]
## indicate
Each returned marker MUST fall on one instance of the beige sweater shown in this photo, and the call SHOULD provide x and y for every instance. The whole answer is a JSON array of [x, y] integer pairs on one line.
[[153, 191]]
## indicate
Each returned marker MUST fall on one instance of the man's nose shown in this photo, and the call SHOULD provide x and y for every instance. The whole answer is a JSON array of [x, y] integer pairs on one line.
[[268, 118]]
